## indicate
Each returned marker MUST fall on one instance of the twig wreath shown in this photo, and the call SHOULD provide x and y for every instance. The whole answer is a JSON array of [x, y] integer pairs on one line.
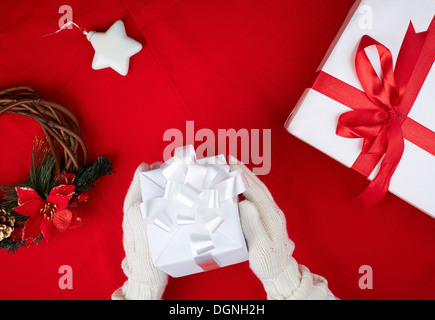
[[59, 178]]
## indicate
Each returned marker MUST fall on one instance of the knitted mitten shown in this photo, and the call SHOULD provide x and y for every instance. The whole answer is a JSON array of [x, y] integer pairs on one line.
[[270, 249], [145, 280]]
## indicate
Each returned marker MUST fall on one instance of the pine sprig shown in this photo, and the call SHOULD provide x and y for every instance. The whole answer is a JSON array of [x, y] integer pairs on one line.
[[86, 177], [12, 246], [41, 169]]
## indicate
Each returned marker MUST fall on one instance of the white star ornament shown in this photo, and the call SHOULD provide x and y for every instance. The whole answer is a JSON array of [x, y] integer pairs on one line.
[[113, 48]]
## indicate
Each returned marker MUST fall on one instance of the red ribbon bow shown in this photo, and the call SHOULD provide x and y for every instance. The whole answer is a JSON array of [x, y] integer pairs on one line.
[[381, 127], [379, 114]]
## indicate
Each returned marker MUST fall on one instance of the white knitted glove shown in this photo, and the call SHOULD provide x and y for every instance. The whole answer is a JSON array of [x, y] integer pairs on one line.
[[145, 280], [270, 249]]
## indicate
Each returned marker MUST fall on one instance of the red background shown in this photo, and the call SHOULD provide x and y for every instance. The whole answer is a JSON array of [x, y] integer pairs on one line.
[[223, 64]]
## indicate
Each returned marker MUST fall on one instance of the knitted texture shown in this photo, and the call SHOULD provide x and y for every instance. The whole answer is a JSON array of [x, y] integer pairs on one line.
[[264, 227], [270, 249], [145, 281]]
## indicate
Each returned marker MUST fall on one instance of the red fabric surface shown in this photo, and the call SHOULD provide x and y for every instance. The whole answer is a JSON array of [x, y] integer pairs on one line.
[[223, 64]]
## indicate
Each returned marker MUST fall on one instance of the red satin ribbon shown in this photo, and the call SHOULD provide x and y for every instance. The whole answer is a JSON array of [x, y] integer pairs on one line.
[[379, 114]]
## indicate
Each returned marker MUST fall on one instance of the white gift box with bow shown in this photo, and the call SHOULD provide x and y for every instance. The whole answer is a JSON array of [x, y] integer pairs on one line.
[[190, 208]]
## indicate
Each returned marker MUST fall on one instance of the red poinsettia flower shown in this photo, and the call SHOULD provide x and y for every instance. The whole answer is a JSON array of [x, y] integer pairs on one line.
[[45, 216], [68, 178]]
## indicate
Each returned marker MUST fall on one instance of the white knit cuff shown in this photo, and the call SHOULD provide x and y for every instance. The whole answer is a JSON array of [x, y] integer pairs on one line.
[[134, 290], [282, 286]]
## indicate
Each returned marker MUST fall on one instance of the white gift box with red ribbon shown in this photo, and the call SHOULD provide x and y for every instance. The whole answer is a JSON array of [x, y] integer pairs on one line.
[[190, 207], [364, 80]]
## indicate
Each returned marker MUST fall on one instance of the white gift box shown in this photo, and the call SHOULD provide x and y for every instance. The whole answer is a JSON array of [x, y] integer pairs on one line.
[[314, 118], [190, 208]]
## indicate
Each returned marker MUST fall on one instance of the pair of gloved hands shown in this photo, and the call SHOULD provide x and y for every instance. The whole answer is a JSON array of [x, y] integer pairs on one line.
[[269, 247]]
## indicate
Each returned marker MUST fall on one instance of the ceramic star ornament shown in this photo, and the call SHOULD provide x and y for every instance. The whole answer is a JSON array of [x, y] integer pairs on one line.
[[113, 48]]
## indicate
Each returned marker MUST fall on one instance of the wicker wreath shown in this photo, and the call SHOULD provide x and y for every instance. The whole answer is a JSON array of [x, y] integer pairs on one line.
[[45, 202], [58, 123]]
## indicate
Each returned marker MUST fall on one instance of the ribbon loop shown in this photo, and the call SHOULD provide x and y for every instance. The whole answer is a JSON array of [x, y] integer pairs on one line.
[[383, 91]]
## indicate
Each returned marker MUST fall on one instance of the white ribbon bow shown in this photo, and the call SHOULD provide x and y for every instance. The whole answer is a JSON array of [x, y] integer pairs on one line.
[[194, 190]]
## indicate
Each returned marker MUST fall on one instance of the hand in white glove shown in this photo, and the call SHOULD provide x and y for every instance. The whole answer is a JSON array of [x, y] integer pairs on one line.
[[145, 280], [270, 249]]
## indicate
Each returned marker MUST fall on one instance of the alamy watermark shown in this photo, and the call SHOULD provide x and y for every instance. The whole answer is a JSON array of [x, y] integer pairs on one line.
[[365, 21], [366, 280], [67, 16], [66, 280], [248, 146]]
